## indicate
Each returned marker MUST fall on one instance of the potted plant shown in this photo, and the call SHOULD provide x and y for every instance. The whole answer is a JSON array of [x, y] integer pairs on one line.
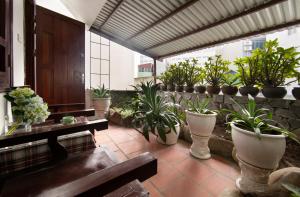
[[277, 64], [178, 73], [259, 145], [201, 122], [101, 100], [215, 69], [27, 108], [230, 82], [191, 74], [296, 90], [153, 114], [165, 79], [248, 70], [200, 87]]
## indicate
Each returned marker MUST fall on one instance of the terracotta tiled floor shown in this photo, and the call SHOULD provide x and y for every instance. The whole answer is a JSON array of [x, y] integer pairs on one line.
[[179, 174]]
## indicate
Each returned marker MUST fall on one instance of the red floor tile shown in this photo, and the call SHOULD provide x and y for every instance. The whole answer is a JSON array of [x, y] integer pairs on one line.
[[172, 155], [151, 189], [184, 187], [216, 184], [132, 146]]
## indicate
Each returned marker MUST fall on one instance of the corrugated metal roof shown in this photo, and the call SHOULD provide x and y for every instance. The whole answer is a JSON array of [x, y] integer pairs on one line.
[[161, 28]]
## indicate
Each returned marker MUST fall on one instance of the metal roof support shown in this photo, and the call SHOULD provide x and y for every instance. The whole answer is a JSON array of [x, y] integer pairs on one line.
[[282, 26], [177, 10], [225, 20], [108, 17], [154, 70]]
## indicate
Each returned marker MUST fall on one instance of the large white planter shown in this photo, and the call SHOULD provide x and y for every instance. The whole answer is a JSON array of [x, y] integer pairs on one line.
[[101, 106], [201, 126], [258, 157], [172, 137]]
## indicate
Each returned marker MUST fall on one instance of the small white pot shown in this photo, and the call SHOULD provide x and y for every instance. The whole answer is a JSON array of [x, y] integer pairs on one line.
[[201, 127], [258, 157], [101, 106], [172, 137]]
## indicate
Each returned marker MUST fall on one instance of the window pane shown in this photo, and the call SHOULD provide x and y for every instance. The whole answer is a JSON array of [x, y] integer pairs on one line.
[[95, 66], [95, 50], [104, 67], [104, 41], [95, 38], [104, 52]]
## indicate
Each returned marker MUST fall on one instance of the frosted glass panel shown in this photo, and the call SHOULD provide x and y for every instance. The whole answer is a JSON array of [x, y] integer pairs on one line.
[[104, 41], [95, 80], [104, 67], [104, 52], [95, 66], [95, 38], [95, 50], [105, 80]]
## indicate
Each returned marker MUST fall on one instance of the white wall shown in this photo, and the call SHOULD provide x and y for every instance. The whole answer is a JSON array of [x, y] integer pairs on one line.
[[121, 67]]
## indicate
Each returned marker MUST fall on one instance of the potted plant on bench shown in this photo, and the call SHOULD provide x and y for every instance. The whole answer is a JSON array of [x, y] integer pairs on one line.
[[259, 145], [277, 64], [215, 69], [230, 82], [248, 70], [101, 99], [201, 122], [177, 71], [200, 87], [153, 114], [191, 75]]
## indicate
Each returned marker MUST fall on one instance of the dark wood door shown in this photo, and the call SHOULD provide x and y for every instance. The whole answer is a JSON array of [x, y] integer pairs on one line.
[[60, 60]]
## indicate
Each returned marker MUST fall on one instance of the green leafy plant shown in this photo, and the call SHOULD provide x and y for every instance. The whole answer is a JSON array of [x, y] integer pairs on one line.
[[153, 112], [178, 72], [277, 63], [166, 78], [230, 79], [201, 76], [100, 92], [248, 69], [175, 106], [295, 191], [192, 72], [255, 120], [215, 69], [199, 106]]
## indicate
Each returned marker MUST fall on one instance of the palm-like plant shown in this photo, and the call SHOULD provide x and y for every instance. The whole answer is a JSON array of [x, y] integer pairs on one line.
[[215, 69], [100, 92], [198, 106], [191, 72], [255, 120], [152, 112]]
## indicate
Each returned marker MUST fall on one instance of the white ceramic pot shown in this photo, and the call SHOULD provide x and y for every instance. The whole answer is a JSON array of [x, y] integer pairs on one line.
[[172, 137], [264, 152], [258, 158], [201, 126], [101, 106]]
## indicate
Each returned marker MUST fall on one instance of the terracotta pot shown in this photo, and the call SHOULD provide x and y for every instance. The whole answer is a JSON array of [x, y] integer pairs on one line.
[[201, 126], [172, 137], [163, 87], [271, 92], [229, 90], [213, 90], [200, 89], [171, 88], [189, 89], [178, 88], [296, 92], [245, 90]]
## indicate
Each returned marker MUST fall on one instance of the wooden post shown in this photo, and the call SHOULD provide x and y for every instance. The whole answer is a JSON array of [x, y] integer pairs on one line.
[[154, 70]]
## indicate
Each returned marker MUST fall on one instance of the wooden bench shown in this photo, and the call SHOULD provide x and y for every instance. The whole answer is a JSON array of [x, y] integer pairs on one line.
[[92, 173]]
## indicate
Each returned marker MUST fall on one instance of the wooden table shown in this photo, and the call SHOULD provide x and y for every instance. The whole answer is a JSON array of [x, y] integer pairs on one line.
[[51, 132]]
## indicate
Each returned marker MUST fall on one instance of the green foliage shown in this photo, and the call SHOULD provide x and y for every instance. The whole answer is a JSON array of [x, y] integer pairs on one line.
[[152, 112], [166, 78], [255, 120], [295, 191], [215, 69], [230, 79], [175, 107], [198, 106], [276, 64], [248, 69], [192, 72], [178, 73], [125, 112], [100, 92]]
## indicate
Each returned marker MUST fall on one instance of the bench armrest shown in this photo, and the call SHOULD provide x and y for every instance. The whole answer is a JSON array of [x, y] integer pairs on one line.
[[109, 179]]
